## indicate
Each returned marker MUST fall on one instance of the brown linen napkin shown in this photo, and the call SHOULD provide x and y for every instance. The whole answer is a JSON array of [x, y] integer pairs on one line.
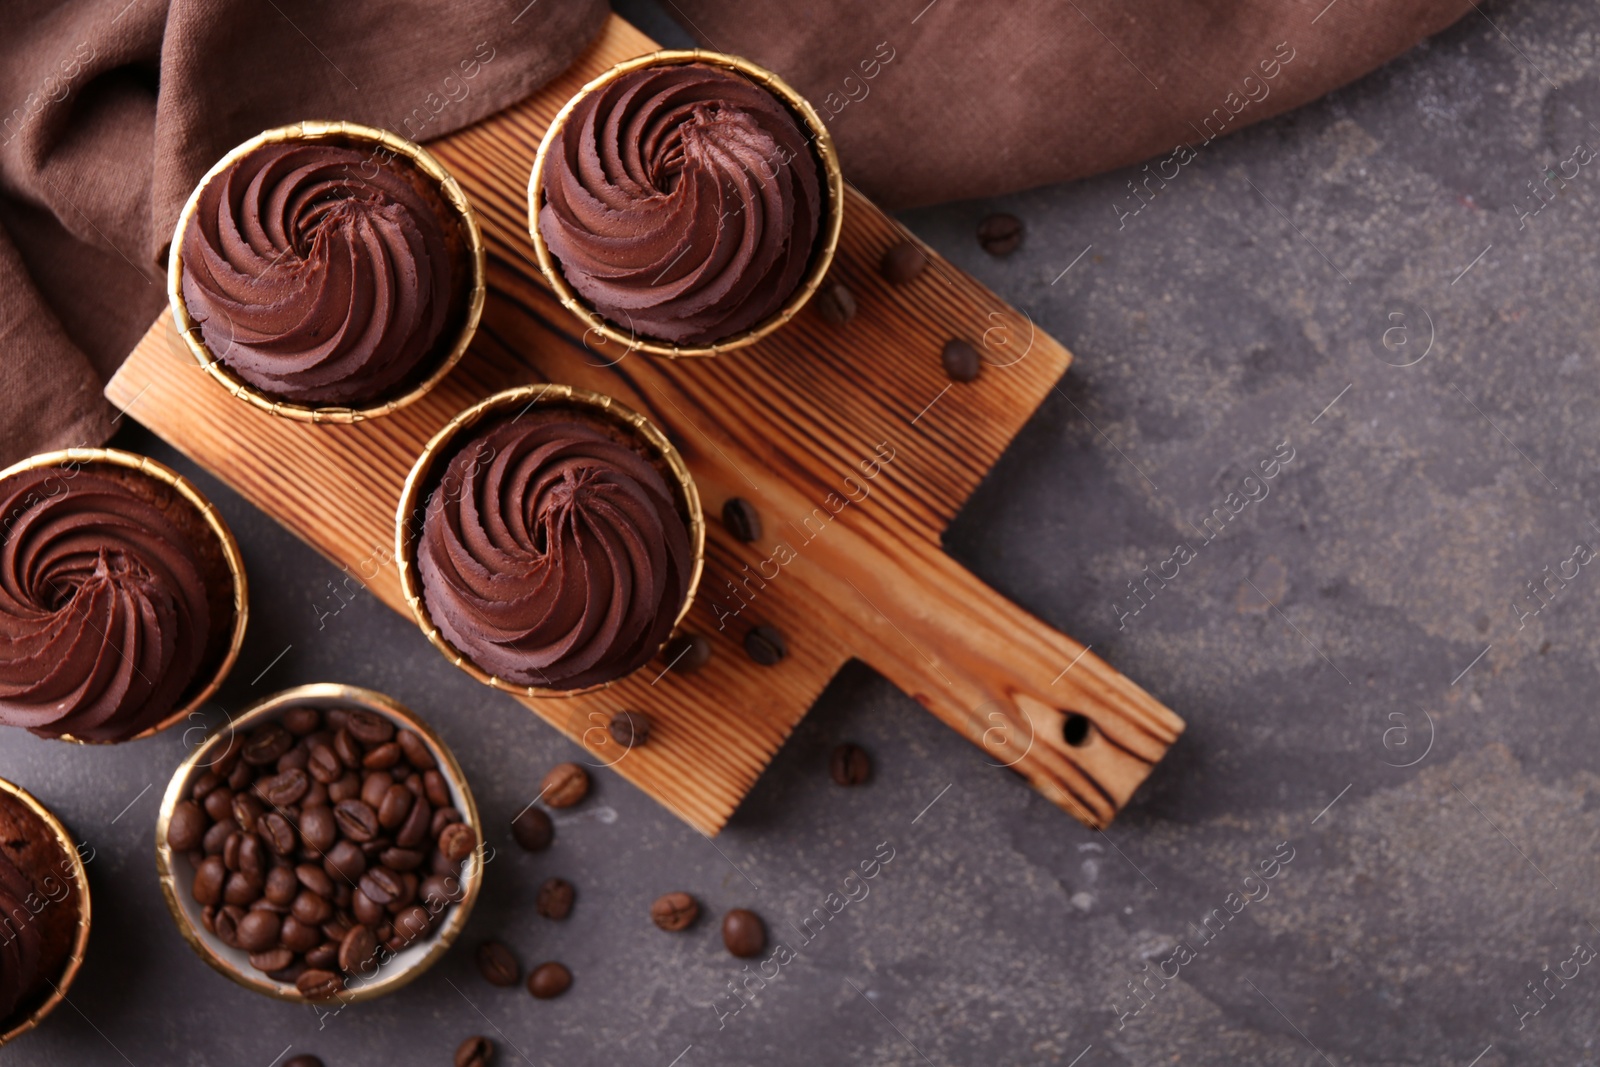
[[111, 110], [962, 98]]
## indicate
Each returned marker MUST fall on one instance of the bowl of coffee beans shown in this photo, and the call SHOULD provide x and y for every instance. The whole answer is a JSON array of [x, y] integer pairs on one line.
[[321, 847]]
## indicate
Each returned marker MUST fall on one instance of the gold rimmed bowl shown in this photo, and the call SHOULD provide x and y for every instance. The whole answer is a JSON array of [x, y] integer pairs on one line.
[[212, 674], [827, 241], [428, 471], [384, 147], [69, 871], [176, 870]]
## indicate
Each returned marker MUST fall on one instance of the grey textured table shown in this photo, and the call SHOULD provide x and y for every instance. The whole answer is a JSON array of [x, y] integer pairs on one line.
[[1357, 656]]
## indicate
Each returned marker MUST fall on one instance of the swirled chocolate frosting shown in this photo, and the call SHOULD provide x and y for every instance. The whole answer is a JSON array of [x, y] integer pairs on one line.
[[552, 553], [318, 275], [682, 201], [104, 614]]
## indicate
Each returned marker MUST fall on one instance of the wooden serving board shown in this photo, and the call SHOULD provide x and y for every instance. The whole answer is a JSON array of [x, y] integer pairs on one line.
[[849, 565]]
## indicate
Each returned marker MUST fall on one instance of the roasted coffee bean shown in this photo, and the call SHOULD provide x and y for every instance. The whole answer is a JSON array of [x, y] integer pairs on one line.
[[555, 899], [687, 652], [187, 827], [294, 760], [442, 818], [374, 784], [252, 858], [436, 789], [315, 879], [437, 890], [319, 985], [316, 796], [416, 751], [265, 744], [475, 1052], [961, 361], [384, 931], [414, 831], [743, 933], [369, 727], [457, 841], [348, 749], [532, 829], [439, 863], [303, 1061], [347, 787], [335, 928], [313, 909], [549, 980], [269, 960], [219, 804], [382, 757], [565, 785], [413, 782], [241, 889], [764, 645], [246, 810], [230, 850], [258, 931], [358, 950], [333, 719], [497, 964], [903, 263], [208, 917], [216, 838], [325, 957], [277, 834], [849, 765], [412, 923], [366, 910], [281, 886], [356, 820], [325, 765], [674, 911], [205, 785], [263, 904], [284, 788], [298, 936], [241, 775], [409, 881], [227, 924], [395, 806], [302, 721], [1000, 234], [836, 303], [318, 828], [209, 880], [402, 859], [629, 728], [381, 885], [742, 519]]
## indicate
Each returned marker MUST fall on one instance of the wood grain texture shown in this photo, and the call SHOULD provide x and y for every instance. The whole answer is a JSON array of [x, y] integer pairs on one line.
[[851, 441]]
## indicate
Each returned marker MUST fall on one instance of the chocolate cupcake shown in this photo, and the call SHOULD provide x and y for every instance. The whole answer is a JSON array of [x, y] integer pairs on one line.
[[558, 545], [687, 198], [327, 268], [44, 911], [121, 596]]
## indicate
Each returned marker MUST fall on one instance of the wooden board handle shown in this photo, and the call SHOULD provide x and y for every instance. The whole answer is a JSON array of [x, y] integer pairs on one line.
[[1033, 698]]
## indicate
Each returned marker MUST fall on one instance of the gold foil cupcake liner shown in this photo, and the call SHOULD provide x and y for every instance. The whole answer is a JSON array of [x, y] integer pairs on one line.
[[176, 874], [355, 135], [80, 878], [828, 234], [413, 501], [74, 457]]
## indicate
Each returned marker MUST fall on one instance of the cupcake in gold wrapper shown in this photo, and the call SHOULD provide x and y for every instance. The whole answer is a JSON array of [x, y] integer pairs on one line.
[[123, 598], [549, 540], [685, 203], [44, 911], [327, 271], [334, 896]]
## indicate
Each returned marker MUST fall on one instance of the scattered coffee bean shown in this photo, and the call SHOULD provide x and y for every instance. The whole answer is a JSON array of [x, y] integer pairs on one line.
[[836, 303], [744, 933], [555, 899], [497, 965], [319, 985], [303, 1061], [764, 644], [532, 829], [549, 980], [961, 361], [742, 519], [688, 652], [565, 785], [849, 765], [475, 1052], [629, 728], [674, 911], [903, 263], [1000, 234]]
